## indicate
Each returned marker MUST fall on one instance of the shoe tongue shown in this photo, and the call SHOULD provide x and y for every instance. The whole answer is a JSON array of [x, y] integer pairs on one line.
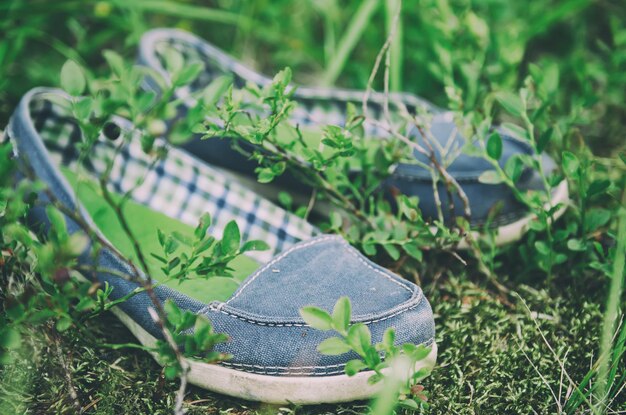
[[318, 272]]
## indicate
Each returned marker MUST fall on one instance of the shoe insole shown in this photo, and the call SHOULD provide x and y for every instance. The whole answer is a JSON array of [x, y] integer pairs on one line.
[[144, 223]]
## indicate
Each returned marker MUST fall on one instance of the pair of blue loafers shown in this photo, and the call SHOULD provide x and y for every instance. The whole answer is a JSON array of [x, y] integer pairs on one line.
[[274, 351]]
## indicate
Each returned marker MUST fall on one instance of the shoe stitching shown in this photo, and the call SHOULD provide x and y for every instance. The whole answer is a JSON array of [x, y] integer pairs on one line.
[[384, 274], [217, 308], [298, 370], [351, 250], [278, 258]]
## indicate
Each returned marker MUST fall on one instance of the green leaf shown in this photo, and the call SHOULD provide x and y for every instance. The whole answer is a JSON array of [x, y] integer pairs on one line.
[[83, 108], [598, 187], [231, 239], [570, 163], [283, 77], [375, 378], [341, 315], [372, 358], [494, 146], [72, 78], [576, 245], [10, 338], [203, 225], [560, 258], [171, 372], [57, 222], [255, 246], [511, 102], [202, 333], [316, 317], [115, 61], [216, 89], [408, 403], [413, 251], [265, 175], [187, 320], [369, 248], [354, 366], [161, 237], [596, 218], [6, 358], [516, 131], [335, 220], [542, 248], [174, 60], [63, 323], [544, 139], [421, 352], [182, 238], [285, 199], [188, 74], [333, 346], [389, 337], [172, 312], [490, 177], [537, 225], [86, 303], [393, 252], [359, 338], [171, 245], [145, 100], [514, 167]]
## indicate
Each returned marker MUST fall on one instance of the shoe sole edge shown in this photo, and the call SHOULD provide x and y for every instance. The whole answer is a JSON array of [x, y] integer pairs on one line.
[[303, 390]]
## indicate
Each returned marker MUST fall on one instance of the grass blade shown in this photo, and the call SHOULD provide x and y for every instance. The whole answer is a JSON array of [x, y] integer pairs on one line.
[[348, 41], [187, 11], [612, 308], [393, 7]]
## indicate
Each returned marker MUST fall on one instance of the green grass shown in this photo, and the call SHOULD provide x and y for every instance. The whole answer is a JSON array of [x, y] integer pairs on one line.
[[483, 365]]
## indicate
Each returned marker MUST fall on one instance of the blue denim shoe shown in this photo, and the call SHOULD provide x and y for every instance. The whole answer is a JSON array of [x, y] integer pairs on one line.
[[318, 107], [274, 351]]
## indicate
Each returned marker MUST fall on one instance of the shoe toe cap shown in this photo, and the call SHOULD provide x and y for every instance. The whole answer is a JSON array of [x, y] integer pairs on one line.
[[267, 334]]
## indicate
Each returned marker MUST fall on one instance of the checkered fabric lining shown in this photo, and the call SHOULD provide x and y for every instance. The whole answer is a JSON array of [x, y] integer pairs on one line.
[[317, 106], [179, 186]]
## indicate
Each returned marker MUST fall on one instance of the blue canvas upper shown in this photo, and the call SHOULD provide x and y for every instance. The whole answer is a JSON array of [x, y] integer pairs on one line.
[[319, 106], [266, 333]]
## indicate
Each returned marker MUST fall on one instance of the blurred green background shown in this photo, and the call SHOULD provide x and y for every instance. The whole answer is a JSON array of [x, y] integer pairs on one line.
[[444, 48]]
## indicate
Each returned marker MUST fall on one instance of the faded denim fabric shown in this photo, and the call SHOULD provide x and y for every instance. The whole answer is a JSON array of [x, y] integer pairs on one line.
[[267, 335]]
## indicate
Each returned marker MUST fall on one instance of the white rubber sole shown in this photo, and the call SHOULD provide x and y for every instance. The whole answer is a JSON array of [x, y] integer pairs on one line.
[[304, 390]]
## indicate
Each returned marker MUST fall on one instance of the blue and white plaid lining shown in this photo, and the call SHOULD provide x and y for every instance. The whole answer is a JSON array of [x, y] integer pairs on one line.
[[178, 185]]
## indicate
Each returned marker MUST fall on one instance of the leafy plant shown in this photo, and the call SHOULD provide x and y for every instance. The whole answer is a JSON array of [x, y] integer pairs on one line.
[[208, 257], [385, 359]]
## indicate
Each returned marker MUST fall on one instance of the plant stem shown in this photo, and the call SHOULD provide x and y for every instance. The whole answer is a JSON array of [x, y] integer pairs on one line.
[[612, 308]]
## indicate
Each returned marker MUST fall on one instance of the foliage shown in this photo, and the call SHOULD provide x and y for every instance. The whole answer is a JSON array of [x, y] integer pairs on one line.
[[399, 360]]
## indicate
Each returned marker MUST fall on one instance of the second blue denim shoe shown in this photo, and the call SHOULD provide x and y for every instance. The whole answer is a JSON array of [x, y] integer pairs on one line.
[[274, 351], [320, 107]]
